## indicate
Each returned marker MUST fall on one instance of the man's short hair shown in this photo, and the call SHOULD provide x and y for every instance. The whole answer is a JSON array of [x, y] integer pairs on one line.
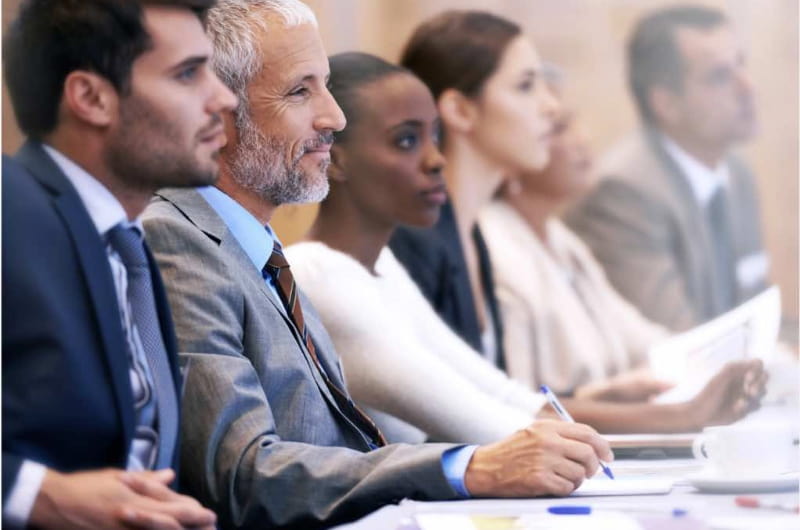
[[235, 27], [653, 54], [51, 38]]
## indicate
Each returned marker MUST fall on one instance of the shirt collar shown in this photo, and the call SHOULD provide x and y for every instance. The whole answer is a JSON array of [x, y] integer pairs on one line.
[[104, 209], [256, 239], [703, 180]]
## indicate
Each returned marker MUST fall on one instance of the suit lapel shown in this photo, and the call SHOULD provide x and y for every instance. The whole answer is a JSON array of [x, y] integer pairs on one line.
[[195, 208], [694, 217], [326, 352], [93, 260]]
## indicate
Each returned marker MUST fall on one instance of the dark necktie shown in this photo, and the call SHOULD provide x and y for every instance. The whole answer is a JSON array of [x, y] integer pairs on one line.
[[129, 245], [278, 268], [721, 243]]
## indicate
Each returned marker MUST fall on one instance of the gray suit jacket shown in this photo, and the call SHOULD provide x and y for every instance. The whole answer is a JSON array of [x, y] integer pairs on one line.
[[264, 442], [644, 225]]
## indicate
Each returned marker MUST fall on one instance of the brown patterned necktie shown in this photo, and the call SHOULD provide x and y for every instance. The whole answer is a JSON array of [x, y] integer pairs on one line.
[[278, 268]]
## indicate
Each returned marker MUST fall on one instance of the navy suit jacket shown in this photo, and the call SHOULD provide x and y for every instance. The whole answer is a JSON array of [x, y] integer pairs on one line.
[[67, 399]]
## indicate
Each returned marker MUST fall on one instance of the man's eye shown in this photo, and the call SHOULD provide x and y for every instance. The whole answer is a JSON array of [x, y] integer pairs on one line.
[[525, 86], [407, 141], [187, 74], [299, 91]]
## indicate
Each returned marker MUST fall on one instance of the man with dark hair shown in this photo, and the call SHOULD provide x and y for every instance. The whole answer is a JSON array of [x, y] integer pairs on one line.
[[117, 100], [675, 218]]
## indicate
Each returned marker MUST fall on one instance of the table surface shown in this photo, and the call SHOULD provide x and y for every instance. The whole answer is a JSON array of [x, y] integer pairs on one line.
[[705, 510]]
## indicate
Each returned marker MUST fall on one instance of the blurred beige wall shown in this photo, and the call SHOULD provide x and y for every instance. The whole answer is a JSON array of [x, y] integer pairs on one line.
[[586, 37]]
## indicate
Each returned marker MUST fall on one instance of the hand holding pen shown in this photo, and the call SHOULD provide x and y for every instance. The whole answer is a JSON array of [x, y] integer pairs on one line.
[[564, 415], [548, 457]]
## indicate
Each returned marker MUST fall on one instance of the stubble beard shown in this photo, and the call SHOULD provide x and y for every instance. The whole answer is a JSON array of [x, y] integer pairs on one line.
[[261, 164], [146, 153]]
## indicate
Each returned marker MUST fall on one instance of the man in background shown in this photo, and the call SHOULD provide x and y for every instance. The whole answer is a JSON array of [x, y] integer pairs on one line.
[[117, 100], [674, 218]]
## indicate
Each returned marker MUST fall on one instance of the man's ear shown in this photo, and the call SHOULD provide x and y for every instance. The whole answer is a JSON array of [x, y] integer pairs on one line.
[[90, 98], [336, 168], [665, 104], [457, 111]]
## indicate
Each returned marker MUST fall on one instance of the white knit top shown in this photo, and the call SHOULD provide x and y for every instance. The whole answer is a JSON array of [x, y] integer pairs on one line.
[[401, 359]]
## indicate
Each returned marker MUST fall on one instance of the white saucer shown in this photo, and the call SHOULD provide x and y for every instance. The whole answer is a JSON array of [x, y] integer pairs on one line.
[[712, 483]]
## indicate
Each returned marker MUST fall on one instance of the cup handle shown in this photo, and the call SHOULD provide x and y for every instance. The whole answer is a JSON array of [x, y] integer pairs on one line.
[[699, 447]]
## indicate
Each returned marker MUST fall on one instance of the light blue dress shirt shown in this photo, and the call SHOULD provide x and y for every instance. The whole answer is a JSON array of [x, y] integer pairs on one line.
[[257, 241]]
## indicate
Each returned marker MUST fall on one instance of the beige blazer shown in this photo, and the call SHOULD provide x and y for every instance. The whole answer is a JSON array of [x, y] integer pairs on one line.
[[565, 326], [644, 225]]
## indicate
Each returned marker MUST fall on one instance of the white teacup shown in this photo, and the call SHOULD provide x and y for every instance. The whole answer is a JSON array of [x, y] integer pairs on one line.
[[748, 450]]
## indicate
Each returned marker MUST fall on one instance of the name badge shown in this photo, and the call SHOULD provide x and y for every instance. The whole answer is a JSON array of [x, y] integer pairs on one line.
[[751, 270]]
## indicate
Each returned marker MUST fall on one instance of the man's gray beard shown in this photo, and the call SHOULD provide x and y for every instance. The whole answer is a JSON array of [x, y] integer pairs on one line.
[[258, 164]]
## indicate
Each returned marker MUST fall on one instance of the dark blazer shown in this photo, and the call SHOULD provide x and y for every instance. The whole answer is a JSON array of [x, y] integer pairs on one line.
[[435, 260], [67, 400]]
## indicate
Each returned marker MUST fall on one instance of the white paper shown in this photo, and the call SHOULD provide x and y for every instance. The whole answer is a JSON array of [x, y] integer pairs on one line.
[[600, 520], [749, 522], [647, 440], [597, 487], [692, 358]]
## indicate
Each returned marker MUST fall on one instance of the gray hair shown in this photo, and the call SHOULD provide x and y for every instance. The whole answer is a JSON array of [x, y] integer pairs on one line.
[[235, 26]]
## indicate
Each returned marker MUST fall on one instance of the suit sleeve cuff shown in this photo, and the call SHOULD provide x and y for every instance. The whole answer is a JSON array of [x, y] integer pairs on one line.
[[22, 496], [454, 465]]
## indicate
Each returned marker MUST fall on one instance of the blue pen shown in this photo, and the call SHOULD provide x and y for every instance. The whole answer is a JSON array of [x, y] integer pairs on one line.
[[564, 415], [578, 509]]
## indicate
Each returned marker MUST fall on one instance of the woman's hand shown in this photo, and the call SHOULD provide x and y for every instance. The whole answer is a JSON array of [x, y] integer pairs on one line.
[[633, 386], [731, 394]]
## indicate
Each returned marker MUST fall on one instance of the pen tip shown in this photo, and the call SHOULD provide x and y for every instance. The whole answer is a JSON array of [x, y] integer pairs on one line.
[[608, 472], [544, 388]]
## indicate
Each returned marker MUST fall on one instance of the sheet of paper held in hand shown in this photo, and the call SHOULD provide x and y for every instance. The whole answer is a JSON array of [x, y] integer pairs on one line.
[[692, 358]]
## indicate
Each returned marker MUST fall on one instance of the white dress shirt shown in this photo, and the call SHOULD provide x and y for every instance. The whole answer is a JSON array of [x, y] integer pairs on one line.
[[703, 180]]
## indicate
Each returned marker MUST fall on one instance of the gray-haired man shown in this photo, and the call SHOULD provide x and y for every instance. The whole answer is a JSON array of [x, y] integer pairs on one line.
[[270, 435]]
